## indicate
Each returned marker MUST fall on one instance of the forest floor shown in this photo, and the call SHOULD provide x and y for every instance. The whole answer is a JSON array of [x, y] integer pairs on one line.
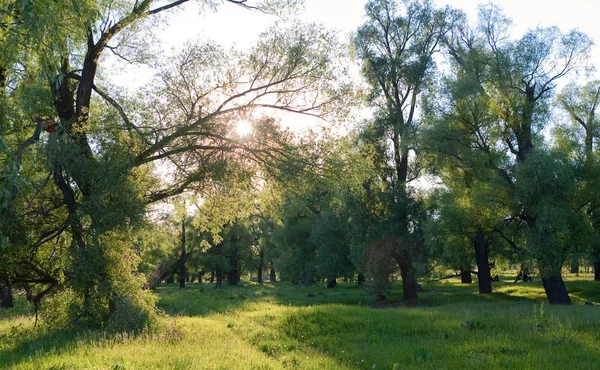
[[277, 326]]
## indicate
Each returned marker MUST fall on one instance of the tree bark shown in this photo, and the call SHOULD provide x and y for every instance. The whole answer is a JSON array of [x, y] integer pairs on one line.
[[575, 266], [182, 271], [465, 276], [409, 283], [6, 294], [272, 275], [597, 271], [331, 283], [259, 270], [483, 266], [361, 279], [233, 277], [554, 285], [219, 277]]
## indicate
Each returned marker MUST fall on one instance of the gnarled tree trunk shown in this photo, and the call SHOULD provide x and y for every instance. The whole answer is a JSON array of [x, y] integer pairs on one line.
[[554, 285]]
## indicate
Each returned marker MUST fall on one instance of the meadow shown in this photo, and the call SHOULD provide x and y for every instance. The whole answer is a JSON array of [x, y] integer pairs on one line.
[[278, 326]]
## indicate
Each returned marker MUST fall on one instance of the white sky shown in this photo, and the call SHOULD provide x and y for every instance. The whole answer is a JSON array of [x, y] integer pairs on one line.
[[232, 24]]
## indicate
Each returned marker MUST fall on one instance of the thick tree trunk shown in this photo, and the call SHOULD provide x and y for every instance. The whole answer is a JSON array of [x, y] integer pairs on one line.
[[597, 271], [554, 286], [409, 283], [465, 276], [272, 275], [6, 294], [483, 266], [331, 283]]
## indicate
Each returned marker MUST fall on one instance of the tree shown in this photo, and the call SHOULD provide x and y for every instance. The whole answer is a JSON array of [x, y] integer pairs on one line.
[[91, 133], [519, 78], [396, 47], [579, 140]]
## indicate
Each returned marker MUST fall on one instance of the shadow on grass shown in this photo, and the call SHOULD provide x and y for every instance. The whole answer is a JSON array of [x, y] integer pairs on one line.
[[19, 344], [204, 299]]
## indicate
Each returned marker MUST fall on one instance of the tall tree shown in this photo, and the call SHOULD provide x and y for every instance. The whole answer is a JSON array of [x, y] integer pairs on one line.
[[396, 47], [581, 103], [519, 77]]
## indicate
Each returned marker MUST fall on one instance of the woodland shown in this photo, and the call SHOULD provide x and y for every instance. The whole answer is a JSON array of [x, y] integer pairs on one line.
[[458, 152]]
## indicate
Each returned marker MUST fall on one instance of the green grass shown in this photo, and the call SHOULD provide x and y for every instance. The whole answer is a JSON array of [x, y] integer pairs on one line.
[[277, 326]]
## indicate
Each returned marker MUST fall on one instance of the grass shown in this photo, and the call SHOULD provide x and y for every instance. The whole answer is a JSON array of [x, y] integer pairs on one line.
[[277, 326]]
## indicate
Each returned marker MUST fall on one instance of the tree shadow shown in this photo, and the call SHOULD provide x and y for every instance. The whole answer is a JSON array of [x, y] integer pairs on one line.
[[19, 343], [204, 299]]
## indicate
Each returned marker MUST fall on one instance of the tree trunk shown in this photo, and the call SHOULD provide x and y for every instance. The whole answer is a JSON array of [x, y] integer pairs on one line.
[[483, 267], [219, 276], [233, 277], [331, 283], [212, 277], [361, 279], [272, 276], [6, 295], [575, 265], [259, 272], [465, 276], [526, 276], [170, 279], [555, 287], [597, 271], [409, 283], [182, 272]]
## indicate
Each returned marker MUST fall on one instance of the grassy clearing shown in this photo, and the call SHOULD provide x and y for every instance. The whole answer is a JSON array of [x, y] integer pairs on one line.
[[283, 326]]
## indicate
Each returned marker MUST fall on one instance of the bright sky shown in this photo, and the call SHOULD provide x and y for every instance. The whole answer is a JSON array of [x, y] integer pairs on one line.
[[232, 24]]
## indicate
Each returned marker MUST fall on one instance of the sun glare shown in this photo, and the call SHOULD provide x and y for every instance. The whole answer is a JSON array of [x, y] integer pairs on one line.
[[243, 128]]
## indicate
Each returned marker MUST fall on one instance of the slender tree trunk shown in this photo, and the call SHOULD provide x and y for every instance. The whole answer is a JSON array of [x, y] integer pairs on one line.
[[182, 272], [483, 266], [554, 285], [261, 263], [465, 276], [272, 275], [597, 271], [6, 294], [212, 277], [219, 277]]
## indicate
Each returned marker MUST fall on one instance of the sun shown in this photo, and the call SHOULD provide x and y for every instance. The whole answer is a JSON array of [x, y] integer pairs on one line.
[[243, 128]]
